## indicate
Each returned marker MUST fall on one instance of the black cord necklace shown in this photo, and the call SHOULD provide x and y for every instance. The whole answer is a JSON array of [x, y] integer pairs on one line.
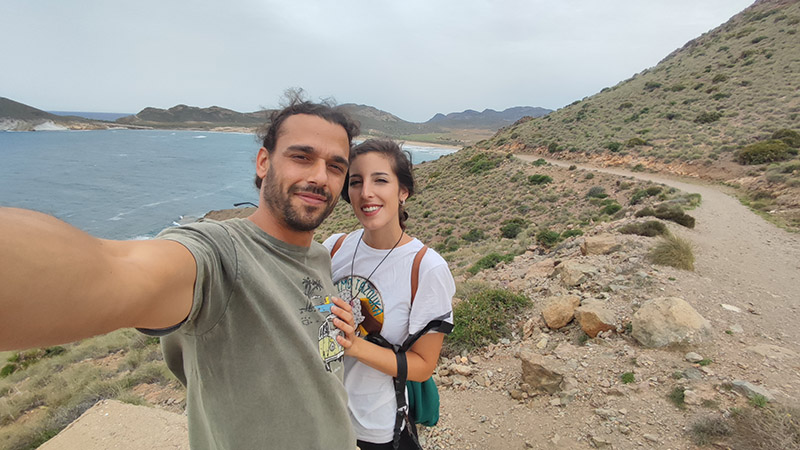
[[353, 262]]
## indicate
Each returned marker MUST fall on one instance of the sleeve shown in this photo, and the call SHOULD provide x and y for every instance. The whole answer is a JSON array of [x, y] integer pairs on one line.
[[434, 298], [331, 241], [214, 253]]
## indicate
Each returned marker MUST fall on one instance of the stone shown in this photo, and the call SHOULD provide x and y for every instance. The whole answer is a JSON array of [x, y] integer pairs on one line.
[[751, 390], [594, 318], [772, 351], [460, 369], [730, 308], [516, 394], [541, 269], [542, 343], [558, 311], [736, 329], [602, 244], [698, 395], [651, 437], [692, 374], [665, 321], [572, 273], [693, 357], [542, 373]]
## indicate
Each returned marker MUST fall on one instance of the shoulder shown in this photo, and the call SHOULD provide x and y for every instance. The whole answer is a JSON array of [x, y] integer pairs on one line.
[[331, 241], [431, 259]]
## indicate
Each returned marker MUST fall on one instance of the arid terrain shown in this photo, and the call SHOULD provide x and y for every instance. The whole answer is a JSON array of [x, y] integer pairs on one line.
[[746, 283]]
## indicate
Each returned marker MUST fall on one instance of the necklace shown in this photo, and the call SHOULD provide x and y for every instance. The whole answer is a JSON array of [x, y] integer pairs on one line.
[[353, 262]]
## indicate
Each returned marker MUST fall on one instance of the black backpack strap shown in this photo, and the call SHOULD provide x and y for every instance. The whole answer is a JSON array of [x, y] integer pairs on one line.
[[400, 396], [437, 324]]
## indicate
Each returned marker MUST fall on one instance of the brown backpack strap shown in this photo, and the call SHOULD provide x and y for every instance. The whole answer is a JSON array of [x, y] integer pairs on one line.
[[415, 272], [337, 244]]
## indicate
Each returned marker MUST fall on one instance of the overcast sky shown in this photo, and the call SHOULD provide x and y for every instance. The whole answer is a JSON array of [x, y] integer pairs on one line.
[[412, 58]]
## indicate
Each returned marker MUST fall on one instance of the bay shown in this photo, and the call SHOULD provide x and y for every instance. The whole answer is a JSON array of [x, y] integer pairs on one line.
[[127, 184]]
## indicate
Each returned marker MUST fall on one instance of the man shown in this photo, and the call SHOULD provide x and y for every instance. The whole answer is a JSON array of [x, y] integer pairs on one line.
[[243, 304]]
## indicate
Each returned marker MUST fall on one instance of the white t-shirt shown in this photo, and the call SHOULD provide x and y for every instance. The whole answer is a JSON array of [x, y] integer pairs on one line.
[[370, 392]]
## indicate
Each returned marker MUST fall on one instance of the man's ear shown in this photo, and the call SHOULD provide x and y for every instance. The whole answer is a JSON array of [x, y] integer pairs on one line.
[[262, 163]]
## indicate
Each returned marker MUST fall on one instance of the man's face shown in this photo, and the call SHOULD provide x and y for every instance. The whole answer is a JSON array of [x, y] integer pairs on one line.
[[304, 174]]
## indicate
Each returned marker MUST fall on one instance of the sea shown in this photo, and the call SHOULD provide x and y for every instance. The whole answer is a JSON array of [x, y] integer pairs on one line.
[[131, 184]]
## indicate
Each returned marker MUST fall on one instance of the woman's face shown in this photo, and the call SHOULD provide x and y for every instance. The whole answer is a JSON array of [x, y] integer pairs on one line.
[[375, 192]]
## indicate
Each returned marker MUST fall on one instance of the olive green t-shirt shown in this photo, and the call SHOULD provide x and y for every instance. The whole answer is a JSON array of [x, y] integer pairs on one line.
[[257, 353]]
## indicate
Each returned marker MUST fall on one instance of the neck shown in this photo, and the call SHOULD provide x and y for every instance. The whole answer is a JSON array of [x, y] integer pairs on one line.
[[385, 238], [265, 220]]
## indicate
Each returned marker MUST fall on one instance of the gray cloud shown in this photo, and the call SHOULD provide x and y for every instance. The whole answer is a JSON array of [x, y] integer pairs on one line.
[[412, 58]]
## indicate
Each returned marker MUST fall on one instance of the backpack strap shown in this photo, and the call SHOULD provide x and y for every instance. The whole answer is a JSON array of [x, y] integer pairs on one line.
[[400, 395], [339, 244], [415, 272]]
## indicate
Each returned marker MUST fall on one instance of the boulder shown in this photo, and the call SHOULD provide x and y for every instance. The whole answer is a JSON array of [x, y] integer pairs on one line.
[[541, 269], [594, 318], [573, 273], [602, 244], [559, 310], [751, 390], [542, 373], [665, 321]]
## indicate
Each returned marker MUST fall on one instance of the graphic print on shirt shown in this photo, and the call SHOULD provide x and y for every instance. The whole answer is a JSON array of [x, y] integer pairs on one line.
[[366, 300], [329, 349]]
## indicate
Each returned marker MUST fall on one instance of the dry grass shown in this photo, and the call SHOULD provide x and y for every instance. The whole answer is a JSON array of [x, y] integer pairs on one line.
[[37, 401], [769, 428], [673, 251]]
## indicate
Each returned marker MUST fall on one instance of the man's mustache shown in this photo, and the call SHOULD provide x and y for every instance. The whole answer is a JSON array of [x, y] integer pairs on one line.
[[311, 189]]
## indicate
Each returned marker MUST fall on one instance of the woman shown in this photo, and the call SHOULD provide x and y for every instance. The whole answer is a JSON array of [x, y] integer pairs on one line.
[[373, 267]]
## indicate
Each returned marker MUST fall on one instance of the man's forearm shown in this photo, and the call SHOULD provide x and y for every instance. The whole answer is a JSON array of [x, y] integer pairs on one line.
[[59, 284]]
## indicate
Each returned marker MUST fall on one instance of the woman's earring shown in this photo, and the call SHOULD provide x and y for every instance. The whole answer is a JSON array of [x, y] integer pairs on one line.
[[402, 202]]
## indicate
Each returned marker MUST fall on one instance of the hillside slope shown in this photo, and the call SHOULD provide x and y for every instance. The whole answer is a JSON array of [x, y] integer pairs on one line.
[[15, 116], [693, 112]]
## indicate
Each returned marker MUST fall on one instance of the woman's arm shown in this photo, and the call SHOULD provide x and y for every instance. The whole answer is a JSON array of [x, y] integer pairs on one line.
[[422, 356]]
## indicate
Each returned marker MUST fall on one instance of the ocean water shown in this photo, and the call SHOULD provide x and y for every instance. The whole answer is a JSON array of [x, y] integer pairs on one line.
[[110, 117], [127, 184]]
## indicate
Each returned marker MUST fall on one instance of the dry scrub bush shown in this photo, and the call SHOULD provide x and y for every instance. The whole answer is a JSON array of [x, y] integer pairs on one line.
[[774, 427], [673, 251]]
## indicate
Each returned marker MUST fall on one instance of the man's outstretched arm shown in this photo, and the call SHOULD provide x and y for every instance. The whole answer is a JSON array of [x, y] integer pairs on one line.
[[59, 284]]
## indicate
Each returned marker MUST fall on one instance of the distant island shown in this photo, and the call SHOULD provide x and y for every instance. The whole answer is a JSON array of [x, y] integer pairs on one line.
[[458, 128]]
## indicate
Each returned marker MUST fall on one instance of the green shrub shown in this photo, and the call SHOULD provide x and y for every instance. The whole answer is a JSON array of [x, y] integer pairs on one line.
[[614, 146], [674, 213], [511, 228], [790, 137], [490, 261], [610, 209], [641, 194], [483, 318], [7, 370], [651, 85], [678, 397], [708, 117], [628, 377], [589, 176], [638, 168], [539, 162], [596, 192], [480, 163], [539, 179], [674, 252], [650, 228], [474, 235], [570, 233], [625, 105], [635, 142], [763, 152], [719, 78], [547, 237]]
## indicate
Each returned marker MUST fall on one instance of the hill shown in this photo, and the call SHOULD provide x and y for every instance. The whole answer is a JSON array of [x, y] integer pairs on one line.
[[15, 116], [487, 119], [695, 112], [183, 116]]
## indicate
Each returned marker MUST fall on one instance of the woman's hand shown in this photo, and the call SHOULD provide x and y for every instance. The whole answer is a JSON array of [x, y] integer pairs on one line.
[[345, 322]]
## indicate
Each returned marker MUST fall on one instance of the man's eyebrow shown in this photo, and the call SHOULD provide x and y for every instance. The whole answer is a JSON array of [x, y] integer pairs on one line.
[[309, 150]]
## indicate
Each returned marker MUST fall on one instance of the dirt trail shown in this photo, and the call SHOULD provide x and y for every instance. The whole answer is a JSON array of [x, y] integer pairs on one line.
[[745, 260]]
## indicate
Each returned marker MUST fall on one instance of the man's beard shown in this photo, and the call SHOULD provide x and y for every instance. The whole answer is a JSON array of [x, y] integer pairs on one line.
[[297, 218]]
